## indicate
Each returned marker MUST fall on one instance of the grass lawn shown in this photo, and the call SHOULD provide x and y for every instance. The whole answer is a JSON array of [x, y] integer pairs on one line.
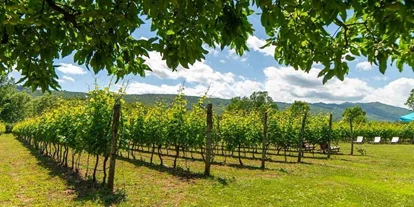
[[384, 177]]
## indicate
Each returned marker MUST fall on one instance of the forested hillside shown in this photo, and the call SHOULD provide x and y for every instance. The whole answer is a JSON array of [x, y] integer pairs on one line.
[[375, 111]]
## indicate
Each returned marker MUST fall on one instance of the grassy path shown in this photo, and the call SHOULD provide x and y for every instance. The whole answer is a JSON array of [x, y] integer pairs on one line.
[[384, 177], [25, 182]]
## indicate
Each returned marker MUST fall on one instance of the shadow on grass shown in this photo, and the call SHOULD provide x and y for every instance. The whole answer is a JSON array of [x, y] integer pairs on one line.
[[85, 190], [178, 171], [186, 174]]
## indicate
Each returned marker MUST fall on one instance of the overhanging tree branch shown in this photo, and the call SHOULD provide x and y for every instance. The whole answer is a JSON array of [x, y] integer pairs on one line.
[[66, 15]]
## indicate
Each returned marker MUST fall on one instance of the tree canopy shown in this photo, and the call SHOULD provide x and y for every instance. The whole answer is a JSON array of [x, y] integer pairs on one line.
[[258, 100], [17, 105], [34, 33], [355, 113], [410, 100], [299, 108]]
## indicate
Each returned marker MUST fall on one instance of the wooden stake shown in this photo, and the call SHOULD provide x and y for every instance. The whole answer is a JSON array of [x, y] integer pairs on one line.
[[302, 134], [330, 135], [352, 137], [115, 123], [208, 139], [264, 142]]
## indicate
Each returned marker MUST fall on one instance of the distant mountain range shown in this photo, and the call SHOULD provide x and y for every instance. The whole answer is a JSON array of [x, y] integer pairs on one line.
[[375, 111]]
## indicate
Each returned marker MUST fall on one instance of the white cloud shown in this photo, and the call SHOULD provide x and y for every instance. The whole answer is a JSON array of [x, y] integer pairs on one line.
[[256, 43], [213, 51], [394, 93], [217, 89], [380, 78], [222, 61], [199, 78], [68, 78], [233, 55], [71, 69], [287, 85], [199, 72], [364, 66], [283, 84], [144, 88]]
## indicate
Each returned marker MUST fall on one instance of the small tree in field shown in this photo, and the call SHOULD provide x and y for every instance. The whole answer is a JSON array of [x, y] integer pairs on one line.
[[410, 100], [353, 114]]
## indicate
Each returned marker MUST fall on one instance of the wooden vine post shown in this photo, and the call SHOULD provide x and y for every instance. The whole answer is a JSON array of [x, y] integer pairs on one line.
[[264, 141], [302, 134], [114, 140], [208, 139], [352, 136], [330, 135]]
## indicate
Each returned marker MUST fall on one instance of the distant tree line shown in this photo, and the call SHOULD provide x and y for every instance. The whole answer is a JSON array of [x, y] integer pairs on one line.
[[17, 105]]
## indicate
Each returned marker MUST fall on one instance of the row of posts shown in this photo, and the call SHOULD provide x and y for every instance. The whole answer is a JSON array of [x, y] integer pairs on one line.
[[264, 141], [114, 137]]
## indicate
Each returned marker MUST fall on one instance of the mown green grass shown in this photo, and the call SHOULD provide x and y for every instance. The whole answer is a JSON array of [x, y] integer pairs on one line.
[[384, 177]]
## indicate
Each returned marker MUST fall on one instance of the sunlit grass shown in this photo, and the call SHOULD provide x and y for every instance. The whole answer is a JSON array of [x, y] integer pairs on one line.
[[384, 177]]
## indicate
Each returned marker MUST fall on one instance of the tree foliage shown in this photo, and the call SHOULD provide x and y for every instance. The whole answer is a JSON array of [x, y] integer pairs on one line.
[[14, 105], [299, 108], [17, 105], [258, 100], [34, 33], [84, 126], [410, 100], [355, 113], [43, 104]]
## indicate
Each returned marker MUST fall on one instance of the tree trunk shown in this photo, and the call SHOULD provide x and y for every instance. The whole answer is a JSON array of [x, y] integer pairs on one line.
[[73, 160], [240, 161], [201, 152], [66, 156], [104, 169], [152, 152], [132, 150], [58, 153], [159, 154], [129, 150], [78, 162], [177, 153], [95, 168]]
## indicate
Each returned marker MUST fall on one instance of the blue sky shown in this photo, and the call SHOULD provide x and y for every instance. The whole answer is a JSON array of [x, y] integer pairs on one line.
[[228, 75]]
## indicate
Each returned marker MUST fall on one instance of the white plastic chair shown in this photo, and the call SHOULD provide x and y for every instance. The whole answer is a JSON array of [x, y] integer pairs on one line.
[[395, 140], [359, 140], [377, 140]]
